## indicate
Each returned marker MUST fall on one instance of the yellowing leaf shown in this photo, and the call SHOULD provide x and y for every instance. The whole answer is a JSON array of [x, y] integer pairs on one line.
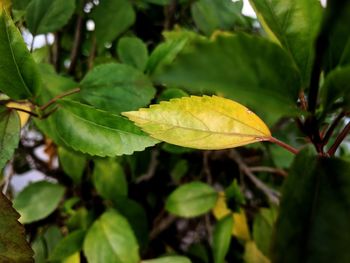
[[201, 122], [24, 117], [5, 4], [253, 255], [240, 227], [75, 258]]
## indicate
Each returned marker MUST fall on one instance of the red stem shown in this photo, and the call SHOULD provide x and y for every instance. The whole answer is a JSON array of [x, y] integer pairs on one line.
[[284, 145], [339, 140]]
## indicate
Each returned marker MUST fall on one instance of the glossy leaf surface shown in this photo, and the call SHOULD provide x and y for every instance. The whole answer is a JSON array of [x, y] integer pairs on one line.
[[9, 134], [314, 220], [116, 88], [73, 163], [82, 125], [38, 200], [111, 240], [19, 77], [44, 16], [112, 18], [295, 24], [13, 244], [201, 123], [236, 67], [191, 200]]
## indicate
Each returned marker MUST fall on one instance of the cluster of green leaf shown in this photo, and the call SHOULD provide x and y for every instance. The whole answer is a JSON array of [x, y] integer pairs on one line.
[[115, 198]]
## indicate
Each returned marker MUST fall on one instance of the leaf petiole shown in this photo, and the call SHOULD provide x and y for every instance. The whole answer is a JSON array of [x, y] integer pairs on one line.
[[284, 145]]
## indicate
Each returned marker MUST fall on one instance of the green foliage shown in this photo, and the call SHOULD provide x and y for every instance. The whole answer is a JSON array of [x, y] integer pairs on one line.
[[222, 238], [132, 51], [13, 245], [318, 209], [106, 197], [9, 134], [191, 200], [255, 77], [295, 25], [44, 16], [110, 239], [112, 18], [37, 201], [19, 77]]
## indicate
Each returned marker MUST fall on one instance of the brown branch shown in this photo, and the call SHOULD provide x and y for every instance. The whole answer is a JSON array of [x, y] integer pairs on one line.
[[271, 194], [339, 140], [332, 127], [268, 170], [77, 44], [92, 52], [151, 168], [161, 223], [53, 100]]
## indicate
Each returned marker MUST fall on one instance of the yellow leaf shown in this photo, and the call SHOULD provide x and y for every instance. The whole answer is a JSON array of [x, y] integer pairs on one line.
[[253, 255], [240, 227], [201, 122], [22, 115], [75, 258], [5, 4]]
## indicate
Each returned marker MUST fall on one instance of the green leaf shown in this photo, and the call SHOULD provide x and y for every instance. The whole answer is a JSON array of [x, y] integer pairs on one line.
[[247, 69], [211, 15], [252, 254], [19, 77], [166, 52], [222, 238], [38, 246], [10, 128], [336, 88], [158, 2], [116, 88], [97, 132], [73, 163], [20, 4], [191, 200], [52, 236], [38, 200], [295, 24], [70, 244], [112, 18], [44, 16], [168, 259], [136, 216], [53, 85], [313, 220], [336, 34], [109, 179], [133, 51], [262, 229], [111, 240], [13, 244], [189, 122], [172, 93]]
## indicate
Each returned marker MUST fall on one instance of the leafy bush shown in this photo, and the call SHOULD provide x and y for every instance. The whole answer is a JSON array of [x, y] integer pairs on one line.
[[126, 182]]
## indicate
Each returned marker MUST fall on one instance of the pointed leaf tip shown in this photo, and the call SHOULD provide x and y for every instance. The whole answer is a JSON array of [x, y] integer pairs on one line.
[[211, 123]]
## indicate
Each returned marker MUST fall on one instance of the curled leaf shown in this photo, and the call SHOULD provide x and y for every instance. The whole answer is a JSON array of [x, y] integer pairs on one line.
[[201, 122]]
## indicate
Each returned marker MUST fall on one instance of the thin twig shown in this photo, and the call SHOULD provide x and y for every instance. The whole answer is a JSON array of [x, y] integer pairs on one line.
[[76, 46], [151, 168], [25, 111], [332, 127], [339, 140], [53, 100], [32, 44], [284, 145], [56, 52], [161, 225], [271, 194], [268, 170]]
